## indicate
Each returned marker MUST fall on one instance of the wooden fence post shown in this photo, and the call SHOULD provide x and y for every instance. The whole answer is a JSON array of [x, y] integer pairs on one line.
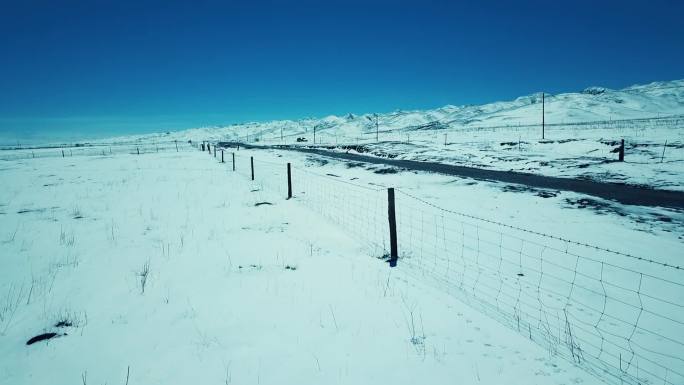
[[138, 149], [621, 155], [175, 141], [62, 153], [289, 182], [251, 162], [394, 253], [233, 161]]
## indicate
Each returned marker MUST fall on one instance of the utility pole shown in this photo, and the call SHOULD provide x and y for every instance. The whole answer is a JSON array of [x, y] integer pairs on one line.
[[543, 123], [376, 128], [376, 125], [314, 134]]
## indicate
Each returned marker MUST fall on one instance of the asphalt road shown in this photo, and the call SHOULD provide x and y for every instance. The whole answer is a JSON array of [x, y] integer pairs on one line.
[[622, 193]]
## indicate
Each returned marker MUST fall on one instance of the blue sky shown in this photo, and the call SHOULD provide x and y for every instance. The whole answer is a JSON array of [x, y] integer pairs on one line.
[[97, 68]]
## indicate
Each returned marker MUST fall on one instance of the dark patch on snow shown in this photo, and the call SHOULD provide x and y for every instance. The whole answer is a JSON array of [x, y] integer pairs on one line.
[[64, 324], [336, 176], [42, 337], [288, 267], [319, 161], [561, 141], [386, 171], [263, 203], [599, 207], [354, 164], [663, 218], [521, 189], [250, 267], [24, 211], [547, 194]]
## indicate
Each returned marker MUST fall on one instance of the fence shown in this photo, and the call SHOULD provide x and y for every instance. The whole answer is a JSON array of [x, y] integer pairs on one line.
[[619, 316], [103, 149]]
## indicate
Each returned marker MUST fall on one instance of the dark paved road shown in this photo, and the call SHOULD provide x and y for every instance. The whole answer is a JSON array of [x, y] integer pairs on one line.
[[626, 194]]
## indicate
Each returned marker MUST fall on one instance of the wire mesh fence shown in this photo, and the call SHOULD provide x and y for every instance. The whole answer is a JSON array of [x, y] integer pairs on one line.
[[104, 149], [616, 315]]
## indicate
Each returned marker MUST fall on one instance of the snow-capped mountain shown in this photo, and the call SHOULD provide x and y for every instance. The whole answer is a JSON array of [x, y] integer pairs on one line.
[[658, 99]]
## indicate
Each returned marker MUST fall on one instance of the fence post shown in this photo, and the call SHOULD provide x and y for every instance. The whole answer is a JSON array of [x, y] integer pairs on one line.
[[222, 157], [251, 162], [663, 156], [138, 149], [394, 254], [62, 153], [289, 182], [621, 155], [175, 141], [202, 147], [233, 161]]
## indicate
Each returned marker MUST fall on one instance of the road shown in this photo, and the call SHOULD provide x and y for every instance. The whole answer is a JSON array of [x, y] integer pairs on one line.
[[622, 193]]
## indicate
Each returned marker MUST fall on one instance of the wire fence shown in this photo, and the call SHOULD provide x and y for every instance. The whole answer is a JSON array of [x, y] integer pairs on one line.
[[619, 316], [103, 149]]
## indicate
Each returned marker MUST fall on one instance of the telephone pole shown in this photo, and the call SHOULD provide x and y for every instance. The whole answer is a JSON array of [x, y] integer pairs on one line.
[[376, 128], [543, 123]]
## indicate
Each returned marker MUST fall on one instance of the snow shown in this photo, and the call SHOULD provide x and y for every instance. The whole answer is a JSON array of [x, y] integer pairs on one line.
[[219, 304], [495, 283]]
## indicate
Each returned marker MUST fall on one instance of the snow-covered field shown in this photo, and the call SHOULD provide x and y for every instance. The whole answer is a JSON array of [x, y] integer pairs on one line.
[[171, 268], [165, 266]]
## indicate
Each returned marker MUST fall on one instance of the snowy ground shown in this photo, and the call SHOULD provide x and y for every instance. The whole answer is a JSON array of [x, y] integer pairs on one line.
[[244, 286], [501, 248], [653, 157]]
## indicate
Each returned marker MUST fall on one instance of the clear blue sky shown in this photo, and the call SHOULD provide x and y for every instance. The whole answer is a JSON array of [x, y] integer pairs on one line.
[[98, 68]]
